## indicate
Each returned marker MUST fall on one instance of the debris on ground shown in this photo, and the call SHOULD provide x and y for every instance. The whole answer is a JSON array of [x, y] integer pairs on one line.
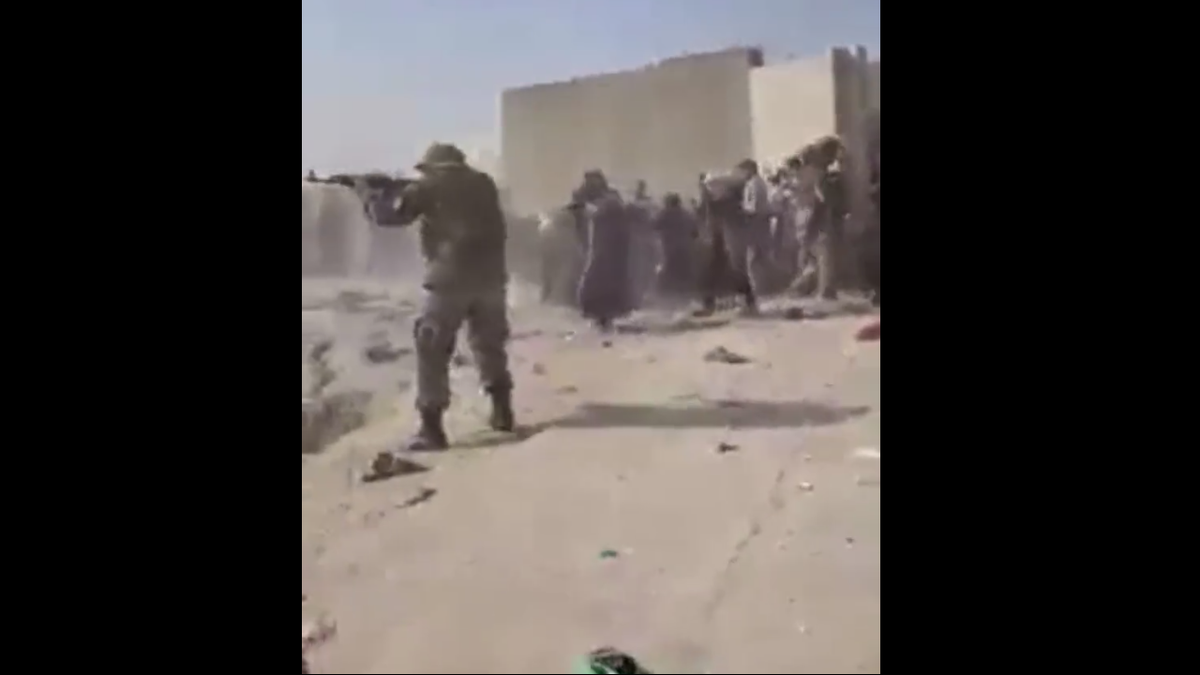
[[312, 634], [388, 464], [609, 553], [384, 353], [317, 632], [421, 497], [319, 350], [322, 374], [539, 369], [806, 487], [724, 447], [326, 418], [723, 355], [609, 661], [868, 333]]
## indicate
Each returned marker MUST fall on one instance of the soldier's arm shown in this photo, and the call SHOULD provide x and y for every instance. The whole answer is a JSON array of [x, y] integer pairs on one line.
[[412, 203]]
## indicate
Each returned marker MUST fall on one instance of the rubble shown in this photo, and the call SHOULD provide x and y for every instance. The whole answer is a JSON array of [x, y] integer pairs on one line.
[[384, 352], [723, 355], [325, 419]]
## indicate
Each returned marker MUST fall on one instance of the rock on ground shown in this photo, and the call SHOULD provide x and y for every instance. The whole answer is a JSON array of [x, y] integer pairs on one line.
[[619, 523]]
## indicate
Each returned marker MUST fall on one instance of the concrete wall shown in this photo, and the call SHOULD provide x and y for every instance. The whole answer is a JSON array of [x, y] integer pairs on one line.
[[670, 121], [795, 103], [664, 124], [792, 104]]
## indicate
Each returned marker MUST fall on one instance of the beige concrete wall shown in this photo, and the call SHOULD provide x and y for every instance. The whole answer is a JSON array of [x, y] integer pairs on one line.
[[797, 102], [792, 104], [667, 122], [663, 123]]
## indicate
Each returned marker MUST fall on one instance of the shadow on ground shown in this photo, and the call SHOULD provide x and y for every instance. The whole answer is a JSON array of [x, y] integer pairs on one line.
[[813, 310], [492, 439], [686, 325], [753, 414], [715, 413]]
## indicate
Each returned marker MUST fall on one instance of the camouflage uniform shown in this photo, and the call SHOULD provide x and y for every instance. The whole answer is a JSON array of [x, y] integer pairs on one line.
[[823, 235], [462, 233], [829, 218]]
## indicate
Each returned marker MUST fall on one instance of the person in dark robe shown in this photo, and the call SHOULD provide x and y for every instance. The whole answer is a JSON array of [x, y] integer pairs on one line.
[[677, 232], [644, 252], [604, 290]]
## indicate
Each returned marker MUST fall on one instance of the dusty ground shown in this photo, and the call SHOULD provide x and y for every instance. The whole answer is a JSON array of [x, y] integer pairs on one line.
[[620, 523]]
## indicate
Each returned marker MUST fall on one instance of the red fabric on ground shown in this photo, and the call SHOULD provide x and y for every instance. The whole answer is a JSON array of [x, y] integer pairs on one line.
[[868, 333]]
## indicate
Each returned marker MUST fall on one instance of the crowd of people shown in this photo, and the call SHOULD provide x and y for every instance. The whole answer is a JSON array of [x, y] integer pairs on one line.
[[746, 235]]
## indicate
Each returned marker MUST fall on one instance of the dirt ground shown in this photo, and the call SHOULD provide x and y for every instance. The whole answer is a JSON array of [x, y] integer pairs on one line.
[[702, 516]]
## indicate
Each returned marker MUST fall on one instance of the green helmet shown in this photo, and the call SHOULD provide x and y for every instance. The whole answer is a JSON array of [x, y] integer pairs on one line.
[[442, 154]]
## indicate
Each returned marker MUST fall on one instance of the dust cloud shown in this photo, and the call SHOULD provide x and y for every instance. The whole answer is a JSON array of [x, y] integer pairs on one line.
[[343, 249]]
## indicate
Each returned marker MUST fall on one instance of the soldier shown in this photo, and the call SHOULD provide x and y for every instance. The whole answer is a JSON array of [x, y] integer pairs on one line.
[[823, 236], [462, 235]]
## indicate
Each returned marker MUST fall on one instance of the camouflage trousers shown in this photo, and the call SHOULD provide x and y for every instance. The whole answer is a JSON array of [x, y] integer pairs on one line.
[[435, 334], [819, 255]]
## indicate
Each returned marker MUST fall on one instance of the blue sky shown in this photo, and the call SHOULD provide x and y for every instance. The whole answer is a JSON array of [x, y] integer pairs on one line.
[[380, 79]]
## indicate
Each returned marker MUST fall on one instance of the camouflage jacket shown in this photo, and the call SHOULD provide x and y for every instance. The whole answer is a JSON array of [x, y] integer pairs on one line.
[[462, 228], [833, 203]]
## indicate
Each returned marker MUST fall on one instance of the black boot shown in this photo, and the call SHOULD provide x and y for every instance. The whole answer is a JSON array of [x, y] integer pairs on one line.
[[431, 435], [502, 418]]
